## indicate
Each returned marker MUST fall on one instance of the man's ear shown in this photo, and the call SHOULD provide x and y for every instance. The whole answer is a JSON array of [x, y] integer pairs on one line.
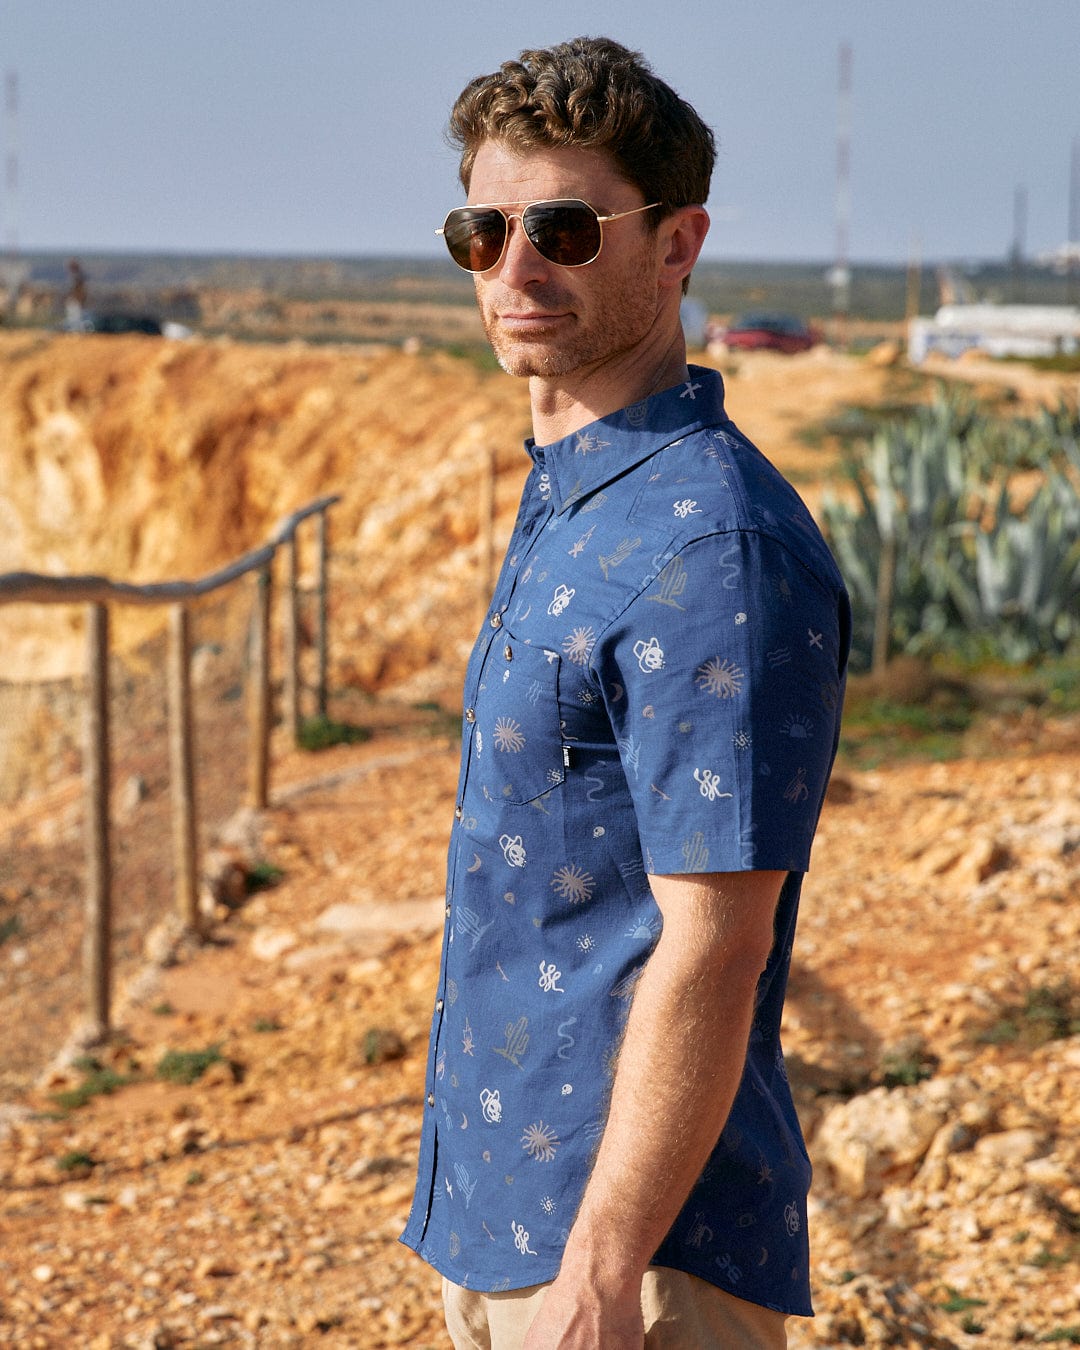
[[681, 236]]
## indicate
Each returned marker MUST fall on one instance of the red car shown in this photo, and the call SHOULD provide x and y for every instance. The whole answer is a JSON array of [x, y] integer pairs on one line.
[[769, 332]]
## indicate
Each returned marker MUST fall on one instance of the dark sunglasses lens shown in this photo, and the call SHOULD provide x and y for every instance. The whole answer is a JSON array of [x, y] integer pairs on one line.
[[475, 238], [566, 232]]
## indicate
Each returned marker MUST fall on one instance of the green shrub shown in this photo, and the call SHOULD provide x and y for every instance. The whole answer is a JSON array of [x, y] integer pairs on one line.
[[320, 733], [98, 1081], [957, 1302], [262, 877], [974, 564], [1048, 1013], [187, 1066], [75, 1162]]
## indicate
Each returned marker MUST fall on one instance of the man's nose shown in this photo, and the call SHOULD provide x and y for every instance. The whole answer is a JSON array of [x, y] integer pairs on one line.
[[521, 263]]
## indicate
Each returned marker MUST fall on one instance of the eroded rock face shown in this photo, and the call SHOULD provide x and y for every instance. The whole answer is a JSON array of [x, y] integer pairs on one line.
[[148, 460]]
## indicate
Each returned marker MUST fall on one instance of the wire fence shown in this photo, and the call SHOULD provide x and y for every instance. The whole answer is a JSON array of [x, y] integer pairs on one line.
[[92, 849]]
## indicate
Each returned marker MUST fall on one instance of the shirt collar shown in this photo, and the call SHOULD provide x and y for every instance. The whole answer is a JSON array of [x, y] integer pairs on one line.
[[586, 460]]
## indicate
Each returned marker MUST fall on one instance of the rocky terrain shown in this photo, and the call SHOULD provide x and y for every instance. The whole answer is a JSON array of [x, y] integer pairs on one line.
[[239, 1167]]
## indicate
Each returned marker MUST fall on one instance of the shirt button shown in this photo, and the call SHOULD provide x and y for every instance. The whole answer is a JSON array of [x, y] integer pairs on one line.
[[470, 714], [438, 1005], [431, 1099], [458, 812], [496, 620], [447, 911], [508, 653]]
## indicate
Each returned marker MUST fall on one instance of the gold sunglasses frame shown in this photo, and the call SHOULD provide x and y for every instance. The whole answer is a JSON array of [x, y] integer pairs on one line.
[[508, 216]]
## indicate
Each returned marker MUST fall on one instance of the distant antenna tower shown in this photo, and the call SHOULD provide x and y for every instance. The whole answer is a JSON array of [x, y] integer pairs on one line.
[[1072, 248], [12, 270], [840, 276], [1018, 251], [11, 164]]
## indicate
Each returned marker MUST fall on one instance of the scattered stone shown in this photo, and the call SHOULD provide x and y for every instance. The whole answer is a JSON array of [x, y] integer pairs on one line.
[[213, 1267], [381, 1044], [884, 1134], [868, 1311], [1012, 1147], [270, 944], [225, 879], [376, 917], [131, 795]]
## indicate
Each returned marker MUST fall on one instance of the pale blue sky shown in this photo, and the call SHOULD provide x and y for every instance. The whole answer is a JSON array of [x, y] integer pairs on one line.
[[316, 126]]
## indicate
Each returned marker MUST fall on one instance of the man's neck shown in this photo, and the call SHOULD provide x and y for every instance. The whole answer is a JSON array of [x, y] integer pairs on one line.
[[565, 404]]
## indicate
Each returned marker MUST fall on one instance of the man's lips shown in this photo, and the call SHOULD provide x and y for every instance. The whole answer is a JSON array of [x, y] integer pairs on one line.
[[524, 320]]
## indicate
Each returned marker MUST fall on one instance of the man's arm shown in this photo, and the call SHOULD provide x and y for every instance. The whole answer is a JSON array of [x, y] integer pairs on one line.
[[679, 1068]]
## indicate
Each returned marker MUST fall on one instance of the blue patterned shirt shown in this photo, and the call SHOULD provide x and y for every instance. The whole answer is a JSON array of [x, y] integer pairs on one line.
[[657, 689]]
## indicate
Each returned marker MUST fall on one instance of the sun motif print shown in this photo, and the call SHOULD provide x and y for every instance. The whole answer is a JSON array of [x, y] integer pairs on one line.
[[540, 1142], [797, 726], [579, 644], [655, 689], [573, 883], [508, 735], [720, 677]]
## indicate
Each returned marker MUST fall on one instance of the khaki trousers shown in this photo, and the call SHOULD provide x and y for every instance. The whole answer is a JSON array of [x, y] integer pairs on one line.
[[681, 1313]]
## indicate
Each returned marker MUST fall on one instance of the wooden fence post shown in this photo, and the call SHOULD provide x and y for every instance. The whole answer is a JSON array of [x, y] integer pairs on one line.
[[181, 767], [97, 945], [292, 638], [321, 624], [259, 750]]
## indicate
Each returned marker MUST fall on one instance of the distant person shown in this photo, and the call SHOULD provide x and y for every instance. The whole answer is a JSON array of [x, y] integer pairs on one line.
[[75, 300], [610, 1154]]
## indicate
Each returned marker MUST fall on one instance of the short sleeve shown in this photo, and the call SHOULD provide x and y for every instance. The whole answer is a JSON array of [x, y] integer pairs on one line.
[[729, 664]]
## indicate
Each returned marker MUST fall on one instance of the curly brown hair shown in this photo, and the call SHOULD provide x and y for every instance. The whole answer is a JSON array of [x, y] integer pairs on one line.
[[596, 94]]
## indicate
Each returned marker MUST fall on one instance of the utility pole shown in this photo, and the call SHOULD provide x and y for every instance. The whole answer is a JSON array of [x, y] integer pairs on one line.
[[1072, 246], [11, 164], [840, 276], [12, 271], [1019, 245]]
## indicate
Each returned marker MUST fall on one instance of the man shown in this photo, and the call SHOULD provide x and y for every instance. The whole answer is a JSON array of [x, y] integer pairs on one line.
[[610, 1154]]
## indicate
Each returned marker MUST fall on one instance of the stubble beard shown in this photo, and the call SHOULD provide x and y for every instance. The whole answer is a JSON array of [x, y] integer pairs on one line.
[[624, 317]]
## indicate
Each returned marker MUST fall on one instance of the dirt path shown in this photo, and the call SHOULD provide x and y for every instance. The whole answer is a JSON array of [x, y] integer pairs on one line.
[[261, 1204]]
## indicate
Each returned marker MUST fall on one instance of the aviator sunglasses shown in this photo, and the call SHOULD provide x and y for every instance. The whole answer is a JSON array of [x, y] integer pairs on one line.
[[567, 231]]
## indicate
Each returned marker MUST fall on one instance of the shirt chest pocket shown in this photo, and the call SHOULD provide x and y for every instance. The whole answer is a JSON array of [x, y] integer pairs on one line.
[[517, 741]]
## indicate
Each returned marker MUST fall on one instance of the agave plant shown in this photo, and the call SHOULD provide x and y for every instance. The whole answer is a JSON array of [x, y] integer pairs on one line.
[[936, 547]]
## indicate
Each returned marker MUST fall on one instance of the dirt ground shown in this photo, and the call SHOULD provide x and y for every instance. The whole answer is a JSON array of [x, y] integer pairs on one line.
[[260, 1204]]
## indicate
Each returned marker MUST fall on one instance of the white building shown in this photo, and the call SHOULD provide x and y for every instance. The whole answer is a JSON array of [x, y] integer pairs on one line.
[[997, 330]]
